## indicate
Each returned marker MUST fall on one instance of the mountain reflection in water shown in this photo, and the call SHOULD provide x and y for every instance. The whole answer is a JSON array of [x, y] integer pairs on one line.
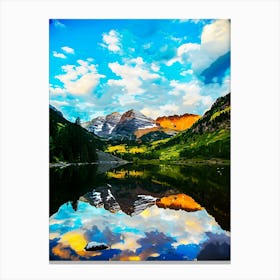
[[119, 209]]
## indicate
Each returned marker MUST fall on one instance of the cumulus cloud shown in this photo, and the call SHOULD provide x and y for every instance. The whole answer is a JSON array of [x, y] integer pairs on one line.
[[79, 79], [58, 104], [127, 100], [215, 38], [164, 110], [55, 90], [68, 50], [195, 94], [112, 41], [215, 42], [59, 55], [192, 100], [132, 74]]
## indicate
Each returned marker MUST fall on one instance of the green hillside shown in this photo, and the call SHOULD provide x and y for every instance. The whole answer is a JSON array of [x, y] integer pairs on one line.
[[208, 138]]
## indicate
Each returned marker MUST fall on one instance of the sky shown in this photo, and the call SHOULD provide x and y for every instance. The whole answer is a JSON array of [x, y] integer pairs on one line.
[[158, 67]]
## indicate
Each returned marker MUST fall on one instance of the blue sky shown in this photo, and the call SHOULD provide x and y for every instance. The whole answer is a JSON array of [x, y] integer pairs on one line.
[[159, 67]]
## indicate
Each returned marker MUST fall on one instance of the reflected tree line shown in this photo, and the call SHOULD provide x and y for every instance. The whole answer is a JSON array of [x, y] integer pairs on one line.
[[208, 185]]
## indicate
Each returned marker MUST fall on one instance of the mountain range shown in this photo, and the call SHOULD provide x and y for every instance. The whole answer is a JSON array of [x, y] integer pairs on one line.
[[207, 138], [166, 138], [133, 125]]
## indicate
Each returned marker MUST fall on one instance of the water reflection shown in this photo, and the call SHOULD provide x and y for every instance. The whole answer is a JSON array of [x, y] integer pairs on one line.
[[122, 208], [154, 234]]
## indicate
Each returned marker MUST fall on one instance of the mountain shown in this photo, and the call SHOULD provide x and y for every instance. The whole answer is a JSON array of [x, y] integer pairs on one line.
[[69, 141], [103, 126], [95, 125], [134, 125], [177, 123], [130, 122], [110, 123], [131, 201], [207, 138]]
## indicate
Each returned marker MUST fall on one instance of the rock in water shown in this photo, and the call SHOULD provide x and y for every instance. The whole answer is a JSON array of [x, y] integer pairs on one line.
[[95, 246], [179, 201]]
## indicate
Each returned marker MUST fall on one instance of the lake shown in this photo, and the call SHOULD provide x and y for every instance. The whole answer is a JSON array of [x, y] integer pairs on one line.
[[140, 212]]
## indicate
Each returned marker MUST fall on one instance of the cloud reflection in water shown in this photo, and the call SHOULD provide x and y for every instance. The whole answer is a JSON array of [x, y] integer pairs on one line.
[[154, 234]]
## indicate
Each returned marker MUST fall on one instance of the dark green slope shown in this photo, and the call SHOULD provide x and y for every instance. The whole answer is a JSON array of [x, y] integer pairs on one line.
[[69, 141], [153, 136]]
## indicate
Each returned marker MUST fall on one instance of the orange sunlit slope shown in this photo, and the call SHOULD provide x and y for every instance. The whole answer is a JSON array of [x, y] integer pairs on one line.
[[178, 201]]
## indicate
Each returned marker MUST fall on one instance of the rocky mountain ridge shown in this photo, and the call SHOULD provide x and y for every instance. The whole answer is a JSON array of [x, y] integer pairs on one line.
[[177, 122], [133, 125], [103, 126]]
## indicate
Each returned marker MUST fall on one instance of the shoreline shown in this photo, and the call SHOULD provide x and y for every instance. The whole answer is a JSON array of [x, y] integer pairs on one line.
[[214, 161], [66, 164]]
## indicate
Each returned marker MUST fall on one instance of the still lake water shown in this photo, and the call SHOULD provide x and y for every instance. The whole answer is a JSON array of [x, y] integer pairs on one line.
[[118, 208]]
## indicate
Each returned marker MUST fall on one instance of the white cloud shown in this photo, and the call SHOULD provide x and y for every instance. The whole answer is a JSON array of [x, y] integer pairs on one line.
[[215, 38], [112, 41], [182, 88], [58, 24], [58, 104], [182, 51], [215, 42], [79, 80], [155, 67], [56, 90], [164, 110], [59, 55], [132, 74], [192, 95], [191, 99], [126, 100], [68, 50], [177, 39], [169, 109], [185, 48], [186, 72], [84, 105], [138, 61]]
